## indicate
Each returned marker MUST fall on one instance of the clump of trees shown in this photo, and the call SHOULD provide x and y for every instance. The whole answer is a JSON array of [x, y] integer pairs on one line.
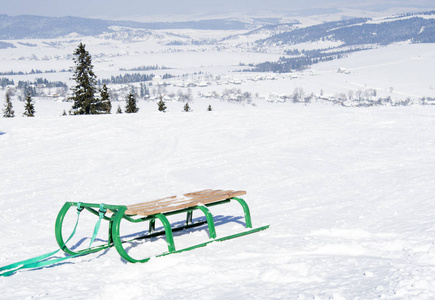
[[131, 78], [5, 82], [29, 107]]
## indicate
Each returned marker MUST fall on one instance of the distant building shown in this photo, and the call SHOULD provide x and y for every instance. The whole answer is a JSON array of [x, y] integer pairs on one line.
[[343, 70]]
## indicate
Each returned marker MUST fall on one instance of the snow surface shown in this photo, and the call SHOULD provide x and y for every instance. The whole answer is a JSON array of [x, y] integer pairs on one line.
[[348, 193]]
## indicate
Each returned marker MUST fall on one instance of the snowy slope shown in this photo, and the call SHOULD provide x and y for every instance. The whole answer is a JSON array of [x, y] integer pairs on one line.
[[348, 194]]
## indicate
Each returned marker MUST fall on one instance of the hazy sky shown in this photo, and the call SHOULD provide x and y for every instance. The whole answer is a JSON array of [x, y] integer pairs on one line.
[[137, 8]]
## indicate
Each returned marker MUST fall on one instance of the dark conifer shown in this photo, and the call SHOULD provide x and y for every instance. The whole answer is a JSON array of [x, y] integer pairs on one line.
[[8, 111], [209, 108], [84, 90], [29, 108], [131, 103], [161, 105], [104, 106], [187, 107]]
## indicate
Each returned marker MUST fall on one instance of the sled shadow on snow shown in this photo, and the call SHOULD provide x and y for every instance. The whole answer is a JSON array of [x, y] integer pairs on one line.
[[137, 239], [218, 220]]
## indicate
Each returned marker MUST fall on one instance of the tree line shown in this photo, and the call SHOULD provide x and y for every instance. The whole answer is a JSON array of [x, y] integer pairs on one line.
[[131, 105], [85, 101]]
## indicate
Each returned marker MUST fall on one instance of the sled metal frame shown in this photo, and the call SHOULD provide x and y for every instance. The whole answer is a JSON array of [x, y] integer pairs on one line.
[[120, 212]]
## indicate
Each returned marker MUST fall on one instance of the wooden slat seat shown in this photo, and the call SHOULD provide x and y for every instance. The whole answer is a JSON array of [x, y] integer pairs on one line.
[[175, 203]]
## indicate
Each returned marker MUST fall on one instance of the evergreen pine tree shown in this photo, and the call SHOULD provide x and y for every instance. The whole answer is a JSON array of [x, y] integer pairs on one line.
[[84, 90], [131, 104], [29, 108], [161, 105], [209, 108], [64, 113], [186, 107], [119, 110], [8, 111], [104, 106]]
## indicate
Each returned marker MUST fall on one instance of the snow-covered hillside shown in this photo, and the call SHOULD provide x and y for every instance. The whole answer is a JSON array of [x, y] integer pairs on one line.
[[348, 194]]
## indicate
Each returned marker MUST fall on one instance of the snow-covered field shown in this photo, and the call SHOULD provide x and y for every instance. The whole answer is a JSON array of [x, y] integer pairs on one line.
[[399, 71], [348, 193]]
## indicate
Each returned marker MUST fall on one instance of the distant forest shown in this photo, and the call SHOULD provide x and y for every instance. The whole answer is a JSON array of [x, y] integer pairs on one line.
[[300, 62], [130, 78], [357, 33]]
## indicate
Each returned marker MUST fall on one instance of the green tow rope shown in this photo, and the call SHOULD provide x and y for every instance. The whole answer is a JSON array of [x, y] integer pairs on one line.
[[101, 212], [42, 261]]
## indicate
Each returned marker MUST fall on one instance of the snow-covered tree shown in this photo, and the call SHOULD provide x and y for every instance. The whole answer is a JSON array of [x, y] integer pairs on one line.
[[131, 103], [209, 108], [29, 108], [8, 111], [103, 104], [298, 95]]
